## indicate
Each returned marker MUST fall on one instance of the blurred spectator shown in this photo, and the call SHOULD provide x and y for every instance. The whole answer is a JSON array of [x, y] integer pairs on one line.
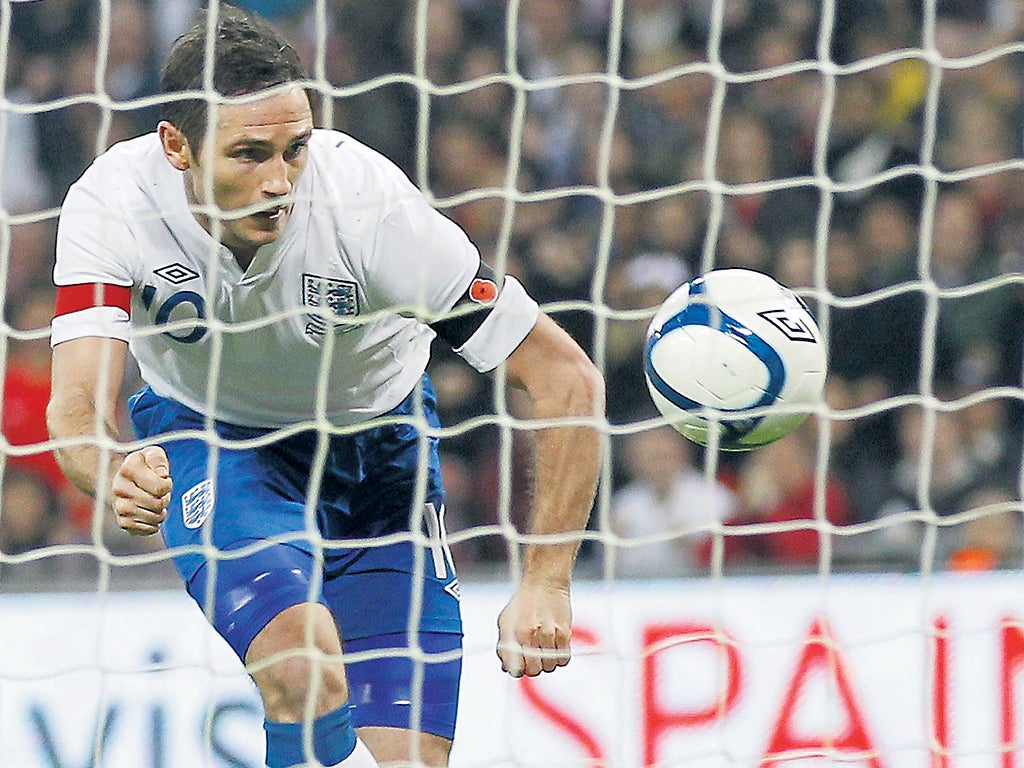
[[978, 133], [461, 395], [31, 523], [559, 267], [652, 25], [789, 103], [934, 474], [50, 36], [473, 548], [742, 246], [795, 264], [667, 118], [991, 431], [23, 184], [488, 107], [547, 29], [665, 512], [504, 490], [962, 257], [991, 538], [875, 121], [887, 239], [860, 450], [440, 37], [30, 514], [131, 70], [364, 40], [777, 486], [675, 225], [464, 160], [54, 27], [746, 160], [26, 394], [738, 24], [640, 283], [30, 257], [878, 344], [564, 118]]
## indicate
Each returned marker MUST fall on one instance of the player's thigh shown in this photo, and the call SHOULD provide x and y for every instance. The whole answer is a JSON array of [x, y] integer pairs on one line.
[[249, 584], [295, 656], [398, 747]]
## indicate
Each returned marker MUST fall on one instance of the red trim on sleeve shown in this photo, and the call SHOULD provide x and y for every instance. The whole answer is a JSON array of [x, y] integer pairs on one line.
[[75, 298]]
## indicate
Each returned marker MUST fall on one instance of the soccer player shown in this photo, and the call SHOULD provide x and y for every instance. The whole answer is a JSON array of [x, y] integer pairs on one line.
[[279, 287]]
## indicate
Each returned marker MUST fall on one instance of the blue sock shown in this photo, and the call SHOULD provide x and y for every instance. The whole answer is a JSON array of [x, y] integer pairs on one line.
[[334, 738]]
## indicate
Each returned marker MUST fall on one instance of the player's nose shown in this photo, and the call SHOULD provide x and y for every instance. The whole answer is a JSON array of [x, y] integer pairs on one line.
[[277, 181]]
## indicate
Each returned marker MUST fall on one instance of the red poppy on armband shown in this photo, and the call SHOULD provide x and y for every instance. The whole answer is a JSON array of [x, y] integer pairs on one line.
[[479, 299], [483, 290]]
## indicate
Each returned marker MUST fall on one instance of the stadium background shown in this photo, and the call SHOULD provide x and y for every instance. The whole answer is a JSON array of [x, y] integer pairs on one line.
[[609, 219], [649, 141]]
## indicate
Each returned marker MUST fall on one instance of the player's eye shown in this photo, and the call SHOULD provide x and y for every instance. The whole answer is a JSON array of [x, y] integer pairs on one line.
[[249, 154], [295, 150]]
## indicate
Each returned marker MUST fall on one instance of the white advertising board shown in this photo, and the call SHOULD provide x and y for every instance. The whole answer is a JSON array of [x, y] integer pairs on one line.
[[877, 671]]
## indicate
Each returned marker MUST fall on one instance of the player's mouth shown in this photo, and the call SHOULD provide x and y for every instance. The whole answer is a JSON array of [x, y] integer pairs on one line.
[[272, 217]]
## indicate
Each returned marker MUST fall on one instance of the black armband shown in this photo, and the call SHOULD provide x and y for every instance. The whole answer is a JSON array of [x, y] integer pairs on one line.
[[472, 308]]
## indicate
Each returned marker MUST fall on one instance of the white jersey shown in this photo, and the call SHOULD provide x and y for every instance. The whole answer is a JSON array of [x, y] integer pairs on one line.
[[340, 302]]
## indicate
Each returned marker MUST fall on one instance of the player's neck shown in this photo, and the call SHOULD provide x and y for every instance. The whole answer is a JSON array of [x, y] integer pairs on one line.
[[243, 256]]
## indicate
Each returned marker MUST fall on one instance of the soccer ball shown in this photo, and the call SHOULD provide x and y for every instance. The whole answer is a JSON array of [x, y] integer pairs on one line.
[[736, 354]]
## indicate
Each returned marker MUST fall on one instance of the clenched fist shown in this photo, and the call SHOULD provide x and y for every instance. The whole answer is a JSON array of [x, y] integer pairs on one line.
[[141, 491], [534, 629]]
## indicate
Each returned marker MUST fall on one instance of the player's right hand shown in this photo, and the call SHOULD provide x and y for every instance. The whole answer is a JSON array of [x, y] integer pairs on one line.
[[141, 491]]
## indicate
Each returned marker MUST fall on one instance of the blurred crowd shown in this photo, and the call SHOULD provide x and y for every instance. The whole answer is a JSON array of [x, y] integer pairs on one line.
[[606, 153]]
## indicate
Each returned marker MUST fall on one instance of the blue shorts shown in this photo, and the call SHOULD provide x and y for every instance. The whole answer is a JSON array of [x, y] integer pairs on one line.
[[268, 534]]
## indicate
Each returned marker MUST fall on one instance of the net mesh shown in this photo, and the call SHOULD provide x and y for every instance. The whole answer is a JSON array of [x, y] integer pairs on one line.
[[868, 155]]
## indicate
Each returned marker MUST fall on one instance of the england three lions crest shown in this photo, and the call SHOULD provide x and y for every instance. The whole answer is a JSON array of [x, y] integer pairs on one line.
[[339, 297]]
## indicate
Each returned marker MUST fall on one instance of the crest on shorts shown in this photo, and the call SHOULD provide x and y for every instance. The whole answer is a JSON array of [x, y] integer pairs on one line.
[[197, 504], [340, 297]]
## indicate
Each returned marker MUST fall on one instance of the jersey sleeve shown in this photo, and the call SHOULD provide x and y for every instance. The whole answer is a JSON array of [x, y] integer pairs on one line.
[[91, 273], [424, 263]]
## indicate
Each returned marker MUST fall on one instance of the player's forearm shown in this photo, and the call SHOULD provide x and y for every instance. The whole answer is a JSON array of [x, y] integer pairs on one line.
[[72, 422], [567, 465]]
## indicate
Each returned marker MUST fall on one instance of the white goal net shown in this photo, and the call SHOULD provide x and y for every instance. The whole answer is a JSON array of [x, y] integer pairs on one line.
[[850, 594]]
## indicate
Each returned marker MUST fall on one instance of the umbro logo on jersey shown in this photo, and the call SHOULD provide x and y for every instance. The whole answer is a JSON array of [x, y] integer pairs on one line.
[[341, 297], [176, 273]]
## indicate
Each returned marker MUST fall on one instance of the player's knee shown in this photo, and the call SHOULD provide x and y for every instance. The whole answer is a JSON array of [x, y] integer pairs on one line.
[[295, 669], [287, 687]]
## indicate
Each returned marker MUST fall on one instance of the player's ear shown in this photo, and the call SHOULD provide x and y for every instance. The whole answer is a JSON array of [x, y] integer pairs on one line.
[[176, 146]]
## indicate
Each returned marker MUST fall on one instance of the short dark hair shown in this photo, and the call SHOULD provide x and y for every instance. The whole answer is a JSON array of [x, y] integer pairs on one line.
[[249, 56]]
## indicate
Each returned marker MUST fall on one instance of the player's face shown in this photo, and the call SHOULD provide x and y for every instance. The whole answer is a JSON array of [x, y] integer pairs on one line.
[[254, 159]]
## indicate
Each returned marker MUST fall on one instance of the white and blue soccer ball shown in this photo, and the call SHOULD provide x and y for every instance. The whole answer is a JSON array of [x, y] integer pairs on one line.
[[735, 354]]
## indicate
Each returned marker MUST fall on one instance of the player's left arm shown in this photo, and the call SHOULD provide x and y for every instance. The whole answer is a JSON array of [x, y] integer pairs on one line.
[[566, 388], [421, 259]]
